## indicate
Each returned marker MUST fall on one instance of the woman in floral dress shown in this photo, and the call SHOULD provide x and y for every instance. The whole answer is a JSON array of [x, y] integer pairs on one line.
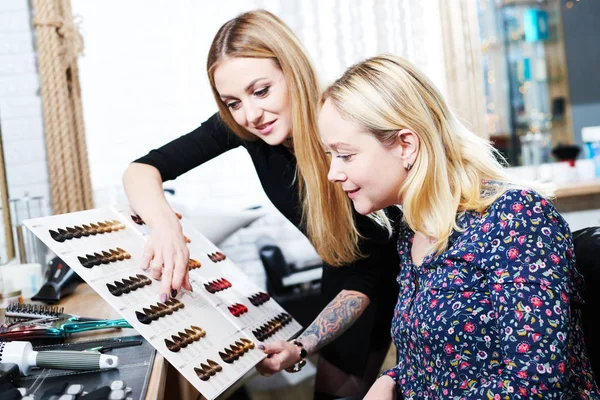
[[489, 304]]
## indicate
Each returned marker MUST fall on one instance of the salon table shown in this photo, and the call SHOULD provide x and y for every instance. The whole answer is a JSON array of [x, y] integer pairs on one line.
[[87, 303], [164, 378]]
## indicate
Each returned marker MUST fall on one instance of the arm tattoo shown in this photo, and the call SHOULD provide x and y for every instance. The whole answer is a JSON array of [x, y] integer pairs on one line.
[[335, 319]]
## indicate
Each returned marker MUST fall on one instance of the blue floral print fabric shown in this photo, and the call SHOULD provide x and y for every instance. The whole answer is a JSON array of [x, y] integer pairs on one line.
[[497, 315]]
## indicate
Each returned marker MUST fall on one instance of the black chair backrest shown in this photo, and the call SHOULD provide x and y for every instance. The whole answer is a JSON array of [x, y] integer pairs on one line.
[[587, 257], [275, 265]]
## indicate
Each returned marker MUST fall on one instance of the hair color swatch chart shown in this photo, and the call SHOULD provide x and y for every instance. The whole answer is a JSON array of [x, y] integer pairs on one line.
[[209, 334]]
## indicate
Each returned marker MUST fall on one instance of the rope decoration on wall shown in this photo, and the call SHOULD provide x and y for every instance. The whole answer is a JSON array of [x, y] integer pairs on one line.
[[59, 43]]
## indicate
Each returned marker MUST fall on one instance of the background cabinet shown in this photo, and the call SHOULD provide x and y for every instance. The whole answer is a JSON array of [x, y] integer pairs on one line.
[[526, 91]]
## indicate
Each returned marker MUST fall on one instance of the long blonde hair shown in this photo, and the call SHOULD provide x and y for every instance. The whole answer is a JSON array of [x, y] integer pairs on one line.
[[260, 34], [385, 94]]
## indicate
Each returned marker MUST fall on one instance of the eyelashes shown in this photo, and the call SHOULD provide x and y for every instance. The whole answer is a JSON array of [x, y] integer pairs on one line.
[[216, 257], [217, 285], [259, 298], [193, 264], [77, 232], [236, 350], [146, 316], [237, 309], [182, 339], [127, 285], [272, 326], [204, 372], [103, 257]]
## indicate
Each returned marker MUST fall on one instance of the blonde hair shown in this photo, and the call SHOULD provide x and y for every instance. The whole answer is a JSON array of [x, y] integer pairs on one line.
[[385, 94], [260, 34]]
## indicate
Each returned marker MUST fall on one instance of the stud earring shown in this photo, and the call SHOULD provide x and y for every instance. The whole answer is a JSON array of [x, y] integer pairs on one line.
[[408, 167]]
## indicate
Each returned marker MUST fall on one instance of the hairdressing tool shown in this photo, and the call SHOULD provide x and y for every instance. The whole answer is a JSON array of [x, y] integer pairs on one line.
[[36, 312], [54, 329], [31, 322], [22, 354], [9, 373], [62, 281], [115, 344]]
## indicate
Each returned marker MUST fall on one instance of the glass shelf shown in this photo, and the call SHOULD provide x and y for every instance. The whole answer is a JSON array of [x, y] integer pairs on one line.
[[523, 76]]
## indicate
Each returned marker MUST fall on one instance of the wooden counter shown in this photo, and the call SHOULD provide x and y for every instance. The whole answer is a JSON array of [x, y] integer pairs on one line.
[[578, 196], [581, 188], [163, 379], [87, 303]]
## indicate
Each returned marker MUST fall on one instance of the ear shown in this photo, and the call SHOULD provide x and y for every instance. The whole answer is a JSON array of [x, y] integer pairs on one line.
[[408, 146]]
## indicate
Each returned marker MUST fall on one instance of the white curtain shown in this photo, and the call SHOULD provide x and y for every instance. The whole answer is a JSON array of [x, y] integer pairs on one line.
[[339, 33]]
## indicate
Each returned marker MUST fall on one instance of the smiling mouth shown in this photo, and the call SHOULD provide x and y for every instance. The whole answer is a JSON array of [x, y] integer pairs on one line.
[[263, 126], [352, 193]]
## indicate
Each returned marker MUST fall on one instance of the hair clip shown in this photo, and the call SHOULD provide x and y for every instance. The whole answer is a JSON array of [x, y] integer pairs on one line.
[[158, 311], [105, 257], [259, 298], [193, 264]]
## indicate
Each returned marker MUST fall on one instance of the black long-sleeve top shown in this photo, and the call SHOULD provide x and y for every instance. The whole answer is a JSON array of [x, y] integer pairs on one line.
[[374, 276]]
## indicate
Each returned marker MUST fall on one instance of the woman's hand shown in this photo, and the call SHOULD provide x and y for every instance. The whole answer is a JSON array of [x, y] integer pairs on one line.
[[167, 255], [384, 388], [280, 355]]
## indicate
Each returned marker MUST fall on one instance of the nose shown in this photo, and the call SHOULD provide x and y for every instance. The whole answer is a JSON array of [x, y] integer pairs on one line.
[[253, 113], [335, 174]]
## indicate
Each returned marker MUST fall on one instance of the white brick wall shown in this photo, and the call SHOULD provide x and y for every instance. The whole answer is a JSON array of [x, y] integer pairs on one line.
[[21, 110]]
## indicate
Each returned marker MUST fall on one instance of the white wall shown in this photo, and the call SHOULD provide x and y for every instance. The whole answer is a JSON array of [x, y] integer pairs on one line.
[[144, 83], [21, 112], [144, 80]]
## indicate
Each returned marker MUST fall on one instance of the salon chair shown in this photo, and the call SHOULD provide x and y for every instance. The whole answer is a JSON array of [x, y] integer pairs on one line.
[[298, 290], [587, 257]]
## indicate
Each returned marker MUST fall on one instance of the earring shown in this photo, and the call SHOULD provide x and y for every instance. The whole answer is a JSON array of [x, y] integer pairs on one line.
[[408, 167]]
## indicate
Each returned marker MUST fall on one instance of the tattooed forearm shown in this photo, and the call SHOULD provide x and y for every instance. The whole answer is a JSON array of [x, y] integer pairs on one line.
[[338, 316]]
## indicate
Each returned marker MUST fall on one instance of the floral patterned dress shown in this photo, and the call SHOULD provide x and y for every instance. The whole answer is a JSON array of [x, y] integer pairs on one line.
[[496, 315]]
